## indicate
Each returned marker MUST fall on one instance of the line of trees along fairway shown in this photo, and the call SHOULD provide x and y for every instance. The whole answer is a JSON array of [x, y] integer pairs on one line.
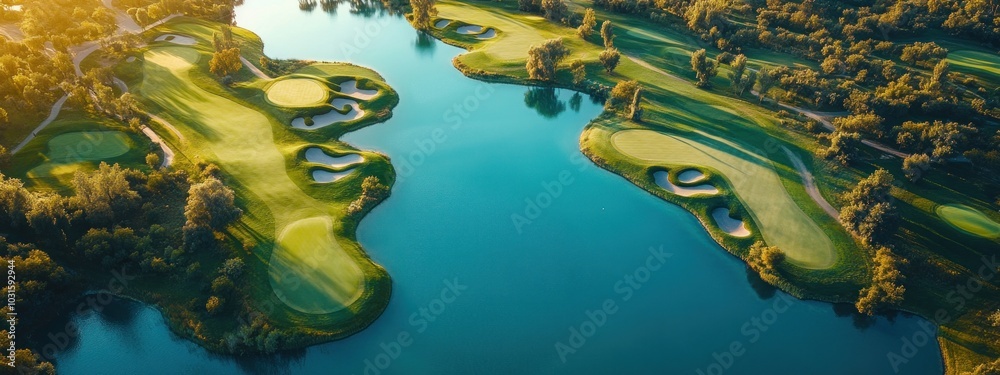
[[543, 59], [145, 12]]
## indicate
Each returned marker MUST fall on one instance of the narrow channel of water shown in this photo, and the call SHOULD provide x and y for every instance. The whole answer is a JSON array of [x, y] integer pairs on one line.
[[597, 276]]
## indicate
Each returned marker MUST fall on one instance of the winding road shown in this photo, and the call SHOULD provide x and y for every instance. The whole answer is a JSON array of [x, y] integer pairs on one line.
[[80, 53], [253, 69]]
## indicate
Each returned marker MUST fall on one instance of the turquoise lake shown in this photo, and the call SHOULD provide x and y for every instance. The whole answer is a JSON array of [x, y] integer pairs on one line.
[[601, 277]]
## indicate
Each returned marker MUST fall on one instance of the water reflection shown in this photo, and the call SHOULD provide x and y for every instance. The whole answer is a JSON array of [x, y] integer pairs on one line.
[[424, 43], [575, 101], [545, 101]]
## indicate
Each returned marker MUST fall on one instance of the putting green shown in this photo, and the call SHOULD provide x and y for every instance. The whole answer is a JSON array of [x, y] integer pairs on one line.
[[297, 92], [65, 151], [310, 272], [781, 221], [969, 220], [240, 140]]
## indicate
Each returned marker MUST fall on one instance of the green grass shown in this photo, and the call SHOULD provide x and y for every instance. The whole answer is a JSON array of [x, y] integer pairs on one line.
[[969, 220], [782, 222], [75, 142], [249, 138], [983, 65], [311, 272], [297, 92]]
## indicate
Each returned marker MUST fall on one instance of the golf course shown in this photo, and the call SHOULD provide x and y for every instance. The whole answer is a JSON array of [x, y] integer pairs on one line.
[[457, 187]]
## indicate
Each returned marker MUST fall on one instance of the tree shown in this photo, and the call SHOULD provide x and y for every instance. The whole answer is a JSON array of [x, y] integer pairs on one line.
[[579, 70], [915, 165], [748, 82], [843, 147], [703, 15], [765, 260], [868, 211], [213, 305], [608, 34], [153, 160], [223, 40], [372, 191], [4, 156], [938, 80], [544, 58], [210, 204], [923, 54], [104, 194], [737, 77], [15, 201], [622, 95], [225, 62], [767, 80], [610, 58], [635, 108], [423, 12], [554, 10], [529, 5], [587, 26], [704, 68], [868, 123], [884, 289]]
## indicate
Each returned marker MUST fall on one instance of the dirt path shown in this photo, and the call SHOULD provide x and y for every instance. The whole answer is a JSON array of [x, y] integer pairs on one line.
[[253, 69], [810, 184], [48, 120]]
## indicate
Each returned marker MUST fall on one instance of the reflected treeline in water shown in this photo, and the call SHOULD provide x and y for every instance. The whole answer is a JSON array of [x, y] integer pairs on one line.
[[545, 101], [424, 43], [364, 8]]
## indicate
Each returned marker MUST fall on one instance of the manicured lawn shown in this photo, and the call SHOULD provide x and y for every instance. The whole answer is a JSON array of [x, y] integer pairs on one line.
[[969, 220], [310, 271], [782, 222], [983, 65], [297, 92]]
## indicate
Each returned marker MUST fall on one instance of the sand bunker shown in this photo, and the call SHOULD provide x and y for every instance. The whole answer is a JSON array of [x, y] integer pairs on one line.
[[489, 34], [685, 191], [333, 116], [130, 59], [735, 228], [442, 24], [317, 155], [177, 39], [325, 176], [471, 29], [969, 220], [690, 176], [350, 88]]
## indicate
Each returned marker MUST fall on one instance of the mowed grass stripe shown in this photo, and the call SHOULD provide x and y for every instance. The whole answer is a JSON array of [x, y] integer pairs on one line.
[[781, 221], [239, 138]]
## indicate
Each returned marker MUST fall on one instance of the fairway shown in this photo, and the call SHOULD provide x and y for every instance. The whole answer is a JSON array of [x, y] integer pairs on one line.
[[969, 220], [297, 92], [66, 150], [240, 140], [310, 272], [782, 222], [984, 65]]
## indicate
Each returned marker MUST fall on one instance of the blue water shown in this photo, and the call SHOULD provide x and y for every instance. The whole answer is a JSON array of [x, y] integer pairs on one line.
[[477, 292]]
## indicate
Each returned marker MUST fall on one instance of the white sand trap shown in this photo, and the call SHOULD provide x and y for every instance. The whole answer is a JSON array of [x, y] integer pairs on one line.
[[735, 228], [489, 34], [442, 24], [324, 176], [177, 39], [471, 29], [317, 155], [350, 88], [130, 59], [684, 191], [333, 116], [690, 176]]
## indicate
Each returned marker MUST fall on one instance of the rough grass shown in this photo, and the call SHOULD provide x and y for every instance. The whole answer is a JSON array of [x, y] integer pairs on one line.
[[969, 220], [297, 92], [782, 222]]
